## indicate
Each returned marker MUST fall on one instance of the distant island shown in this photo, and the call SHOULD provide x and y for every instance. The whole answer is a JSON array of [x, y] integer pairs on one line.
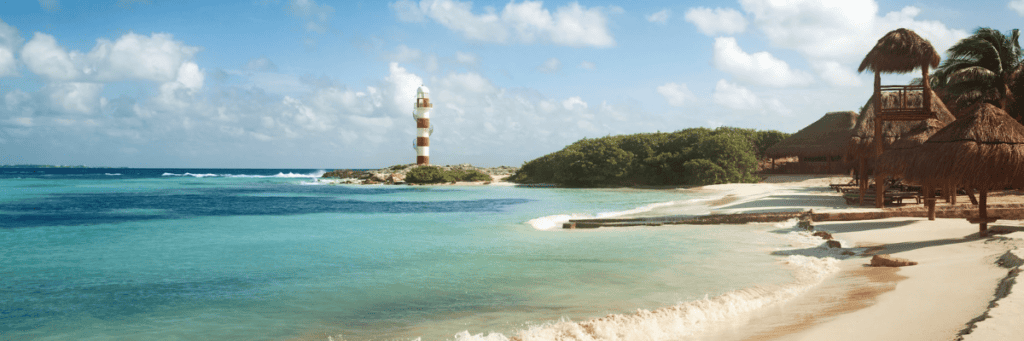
[[55, 166]]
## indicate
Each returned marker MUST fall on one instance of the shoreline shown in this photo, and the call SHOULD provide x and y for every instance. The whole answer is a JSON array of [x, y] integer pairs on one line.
[[962, 287]]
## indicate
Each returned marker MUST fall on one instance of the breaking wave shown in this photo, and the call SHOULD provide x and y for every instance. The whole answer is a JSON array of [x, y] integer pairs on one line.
[[682, 320], [316, 174]]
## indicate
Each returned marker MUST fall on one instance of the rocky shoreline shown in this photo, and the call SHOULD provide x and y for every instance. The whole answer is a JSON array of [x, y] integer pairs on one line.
[[395, 175]]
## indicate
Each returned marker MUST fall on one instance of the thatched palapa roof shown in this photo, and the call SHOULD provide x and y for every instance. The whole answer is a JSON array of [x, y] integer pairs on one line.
[[901, 154], [864, 132], [983, 150], [828, 136], [900, 51]]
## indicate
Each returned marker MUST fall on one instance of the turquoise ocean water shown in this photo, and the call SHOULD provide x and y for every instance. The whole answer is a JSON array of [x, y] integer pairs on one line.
[[229, 254]]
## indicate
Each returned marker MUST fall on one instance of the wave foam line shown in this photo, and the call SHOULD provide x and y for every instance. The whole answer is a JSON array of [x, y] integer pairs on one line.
[[553, 221], [677, 321], [316, 174]]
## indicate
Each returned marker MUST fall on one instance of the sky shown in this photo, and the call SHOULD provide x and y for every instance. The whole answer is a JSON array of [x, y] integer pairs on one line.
[[331, 84]]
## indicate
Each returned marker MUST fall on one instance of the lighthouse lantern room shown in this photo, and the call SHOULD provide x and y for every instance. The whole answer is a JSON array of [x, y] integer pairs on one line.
[[423, 128]]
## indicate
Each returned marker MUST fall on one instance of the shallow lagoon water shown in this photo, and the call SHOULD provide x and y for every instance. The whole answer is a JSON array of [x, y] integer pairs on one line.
[[264, 255]]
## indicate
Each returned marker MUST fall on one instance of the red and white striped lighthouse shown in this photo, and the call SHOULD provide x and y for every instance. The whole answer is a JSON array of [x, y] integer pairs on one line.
[[423, 128]]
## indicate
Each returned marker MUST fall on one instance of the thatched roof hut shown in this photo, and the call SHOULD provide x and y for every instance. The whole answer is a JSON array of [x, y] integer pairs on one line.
[[863, 135], [828, 136], [900, 51], [901, 154], [982, 150]]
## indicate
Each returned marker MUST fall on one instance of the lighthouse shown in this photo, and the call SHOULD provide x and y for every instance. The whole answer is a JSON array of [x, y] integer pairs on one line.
[[423, 128]]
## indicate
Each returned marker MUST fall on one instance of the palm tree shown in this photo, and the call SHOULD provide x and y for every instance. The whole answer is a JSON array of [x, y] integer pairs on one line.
[[985, 67]]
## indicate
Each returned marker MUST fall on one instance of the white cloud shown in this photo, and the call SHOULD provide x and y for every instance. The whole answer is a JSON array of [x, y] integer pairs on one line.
[[572, 103], [737, 97], [734, 96], [527, 22], [841, 31], [836, 74], [759, 68], [676, 94], [156, 58], [44, 57], [75, 97], [190, 76], [550, 66], [587, 65], [1017, 6], [717, 21], [10, 41], [317, 16], [402, 84], [660, 17], [465, 57]]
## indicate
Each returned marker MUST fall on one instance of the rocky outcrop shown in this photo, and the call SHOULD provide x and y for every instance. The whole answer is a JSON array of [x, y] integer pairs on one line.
[[345, 174], [396, 174], [823, 235], [834, 244], [890, 261]]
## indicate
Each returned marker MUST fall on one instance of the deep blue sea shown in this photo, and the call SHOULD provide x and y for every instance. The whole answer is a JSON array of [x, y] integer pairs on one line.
[[272, 254]]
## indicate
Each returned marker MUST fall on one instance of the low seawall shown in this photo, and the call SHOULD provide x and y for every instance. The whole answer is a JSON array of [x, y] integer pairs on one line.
[[1005, 211]]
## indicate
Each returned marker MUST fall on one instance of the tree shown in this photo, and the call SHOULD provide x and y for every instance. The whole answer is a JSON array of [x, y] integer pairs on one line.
[[985, 67]]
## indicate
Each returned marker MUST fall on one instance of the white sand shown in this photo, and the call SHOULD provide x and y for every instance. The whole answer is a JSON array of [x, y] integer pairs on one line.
[[953, 284]]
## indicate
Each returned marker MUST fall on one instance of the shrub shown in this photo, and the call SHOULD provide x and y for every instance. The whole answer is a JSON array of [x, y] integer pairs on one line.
[[427, 175], [703, 172]]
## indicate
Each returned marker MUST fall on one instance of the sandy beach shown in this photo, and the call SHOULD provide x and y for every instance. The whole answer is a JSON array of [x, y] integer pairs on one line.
[[961, 288]]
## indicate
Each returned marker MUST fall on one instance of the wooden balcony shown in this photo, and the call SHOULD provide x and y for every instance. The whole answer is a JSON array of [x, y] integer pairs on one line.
[[905, 103]]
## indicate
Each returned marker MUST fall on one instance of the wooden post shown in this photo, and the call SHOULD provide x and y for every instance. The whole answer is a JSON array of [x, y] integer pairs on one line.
[[983, 213], [970, 195], [952, 196], [828, 165], [863, 179], [879, 182], [929, 199], [927, 95]]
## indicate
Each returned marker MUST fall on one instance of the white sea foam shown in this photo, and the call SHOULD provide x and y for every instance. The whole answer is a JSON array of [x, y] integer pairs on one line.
[[682, 320], [111, 174], [553, 221], [316, 174]]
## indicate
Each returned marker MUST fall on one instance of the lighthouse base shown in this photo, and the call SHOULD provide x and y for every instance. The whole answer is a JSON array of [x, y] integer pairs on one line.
[[422, 160]]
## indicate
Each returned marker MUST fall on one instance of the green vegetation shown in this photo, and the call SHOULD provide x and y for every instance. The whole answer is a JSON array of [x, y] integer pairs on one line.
[[696, 156], [433, 175]]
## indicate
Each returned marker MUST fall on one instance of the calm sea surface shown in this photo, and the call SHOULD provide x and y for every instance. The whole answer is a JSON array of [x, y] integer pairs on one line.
[[270, 254]]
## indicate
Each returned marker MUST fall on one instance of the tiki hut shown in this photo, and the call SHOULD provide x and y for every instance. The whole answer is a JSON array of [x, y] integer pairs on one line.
[[983, 150], [900, 154], [899, 51], [827, 137]]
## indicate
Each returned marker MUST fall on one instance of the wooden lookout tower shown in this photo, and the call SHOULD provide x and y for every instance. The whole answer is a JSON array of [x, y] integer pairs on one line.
[[899, 51]]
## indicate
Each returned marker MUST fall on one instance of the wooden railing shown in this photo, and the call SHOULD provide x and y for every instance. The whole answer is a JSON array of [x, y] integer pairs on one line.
[[899, 106]]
